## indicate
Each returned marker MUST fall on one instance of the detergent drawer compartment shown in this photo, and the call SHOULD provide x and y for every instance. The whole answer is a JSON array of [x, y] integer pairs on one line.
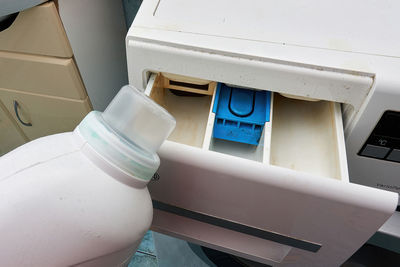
[[256, 125]]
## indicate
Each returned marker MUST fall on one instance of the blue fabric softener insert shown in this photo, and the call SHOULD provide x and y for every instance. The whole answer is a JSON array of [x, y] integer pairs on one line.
[[240, 114]]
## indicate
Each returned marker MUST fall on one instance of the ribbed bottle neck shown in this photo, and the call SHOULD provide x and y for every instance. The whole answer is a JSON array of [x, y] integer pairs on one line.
[[117, 149]]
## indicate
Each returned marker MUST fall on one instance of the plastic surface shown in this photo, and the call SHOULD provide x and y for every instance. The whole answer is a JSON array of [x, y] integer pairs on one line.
[[124, 153], [242, 102], [129, 132], [80, 199], [240, 114], [60, 208], [135, 116]]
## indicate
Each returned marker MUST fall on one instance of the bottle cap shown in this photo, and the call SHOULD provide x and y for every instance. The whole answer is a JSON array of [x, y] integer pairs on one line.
[[139, 119]]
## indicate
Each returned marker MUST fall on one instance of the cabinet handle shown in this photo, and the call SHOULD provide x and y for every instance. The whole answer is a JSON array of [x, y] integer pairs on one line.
[[16, 105]]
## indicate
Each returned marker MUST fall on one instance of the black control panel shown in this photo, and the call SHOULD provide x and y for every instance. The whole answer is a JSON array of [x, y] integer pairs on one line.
[[384, 141]]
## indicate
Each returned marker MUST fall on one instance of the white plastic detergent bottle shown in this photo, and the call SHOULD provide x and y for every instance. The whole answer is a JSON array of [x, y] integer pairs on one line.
[[80, 198]]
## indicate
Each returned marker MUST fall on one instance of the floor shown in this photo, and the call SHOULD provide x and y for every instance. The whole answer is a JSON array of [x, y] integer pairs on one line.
[[158, 250], [146, 255]]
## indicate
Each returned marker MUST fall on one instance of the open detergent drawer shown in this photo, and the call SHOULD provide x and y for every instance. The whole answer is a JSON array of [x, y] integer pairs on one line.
[[285, 201]]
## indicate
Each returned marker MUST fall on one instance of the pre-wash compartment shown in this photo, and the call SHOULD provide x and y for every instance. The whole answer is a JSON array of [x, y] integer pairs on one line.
[[190, 110]]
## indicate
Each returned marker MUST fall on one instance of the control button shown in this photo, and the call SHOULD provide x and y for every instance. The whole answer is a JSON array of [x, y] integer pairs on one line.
[[385, 141], [378, 152], [394, 155]]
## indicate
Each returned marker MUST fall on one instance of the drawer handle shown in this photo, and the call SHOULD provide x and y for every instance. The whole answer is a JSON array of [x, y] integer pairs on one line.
[[16, 105]]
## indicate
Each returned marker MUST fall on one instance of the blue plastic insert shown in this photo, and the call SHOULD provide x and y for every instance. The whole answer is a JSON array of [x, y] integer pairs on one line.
[[240, 114]]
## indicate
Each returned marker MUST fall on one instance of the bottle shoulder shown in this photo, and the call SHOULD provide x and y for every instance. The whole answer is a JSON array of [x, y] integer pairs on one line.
[[67, 201], [37, 151]]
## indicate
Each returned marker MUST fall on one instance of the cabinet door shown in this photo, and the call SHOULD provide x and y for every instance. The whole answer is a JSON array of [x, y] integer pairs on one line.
[[10, 136], [39, 115], [37, 30], [41, 75]]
